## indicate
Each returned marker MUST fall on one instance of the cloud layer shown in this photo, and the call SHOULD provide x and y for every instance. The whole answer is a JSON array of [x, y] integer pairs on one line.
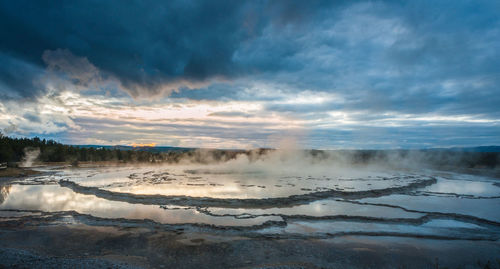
[[359, 74]]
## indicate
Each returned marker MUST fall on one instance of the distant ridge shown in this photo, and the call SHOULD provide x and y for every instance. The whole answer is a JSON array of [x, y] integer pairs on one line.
[[183, 149], [468, 149], [148, 149]]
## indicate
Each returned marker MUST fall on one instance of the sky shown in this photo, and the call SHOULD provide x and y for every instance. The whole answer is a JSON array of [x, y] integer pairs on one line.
[[247, 74]]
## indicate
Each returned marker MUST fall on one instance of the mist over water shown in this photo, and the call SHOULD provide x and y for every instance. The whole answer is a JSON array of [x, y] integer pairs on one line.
[[301, 161]]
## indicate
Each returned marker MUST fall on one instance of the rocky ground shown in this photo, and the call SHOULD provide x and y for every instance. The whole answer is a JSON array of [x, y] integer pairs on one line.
[[11, 172], [83, 246]]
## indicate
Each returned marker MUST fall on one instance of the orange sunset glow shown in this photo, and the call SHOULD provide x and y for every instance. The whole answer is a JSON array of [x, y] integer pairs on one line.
[[135, 145]]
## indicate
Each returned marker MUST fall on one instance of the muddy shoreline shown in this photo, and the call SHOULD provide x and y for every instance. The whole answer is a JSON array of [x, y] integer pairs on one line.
[[15, 172], [65, 246]]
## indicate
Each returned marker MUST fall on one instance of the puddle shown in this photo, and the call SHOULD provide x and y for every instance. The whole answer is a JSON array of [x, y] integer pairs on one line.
[[51, 198], [320, 208], [464, 187], [439, 229], [481, 208]]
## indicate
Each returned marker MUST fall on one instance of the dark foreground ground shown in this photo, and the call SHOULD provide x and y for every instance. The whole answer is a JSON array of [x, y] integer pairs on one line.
[[13, 172], [83, 246]]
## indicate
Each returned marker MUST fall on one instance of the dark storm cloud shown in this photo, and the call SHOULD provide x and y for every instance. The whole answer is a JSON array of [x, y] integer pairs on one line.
[[145, 44], [18, 78], [407, 57], [155, 46]]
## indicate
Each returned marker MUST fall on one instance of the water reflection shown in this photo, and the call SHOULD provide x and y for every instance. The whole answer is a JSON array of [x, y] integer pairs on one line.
[[207, 182], [467, 187], [322, 208], [481, 208], [53, 198], [219, 183], [450, 228]]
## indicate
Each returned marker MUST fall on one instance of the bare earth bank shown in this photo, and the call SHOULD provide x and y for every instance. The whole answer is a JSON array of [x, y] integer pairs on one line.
[[79, 245]]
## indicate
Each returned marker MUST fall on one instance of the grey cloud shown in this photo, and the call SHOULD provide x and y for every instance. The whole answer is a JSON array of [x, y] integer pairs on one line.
[[32, 117], [230, 114], [78, 69]]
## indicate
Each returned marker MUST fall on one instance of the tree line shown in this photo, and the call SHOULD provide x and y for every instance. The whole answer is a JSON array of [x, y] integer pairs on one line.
[[13, 150]]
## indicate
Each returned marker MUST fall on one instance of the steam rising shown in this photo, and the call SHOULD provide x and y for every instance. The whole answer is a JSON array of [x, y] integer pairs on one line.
[[30, 156], [291, 160]]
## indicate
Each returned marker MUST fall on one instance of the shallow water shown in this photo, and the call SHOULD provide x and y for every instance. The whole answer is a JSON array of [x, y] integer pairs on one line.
[[217, 182], [439, 229], [321, 208], [481, 208], [479, 187], [258, 202], [53, 198]]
